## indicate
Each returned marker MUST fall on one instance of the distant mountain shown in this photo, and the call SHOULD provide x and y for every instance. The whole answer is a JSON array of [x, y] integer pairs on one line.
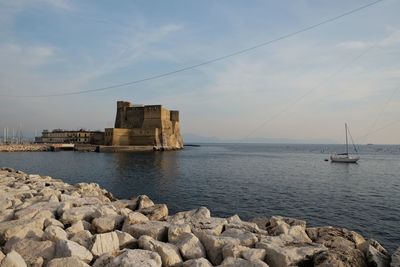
[[195, 138]]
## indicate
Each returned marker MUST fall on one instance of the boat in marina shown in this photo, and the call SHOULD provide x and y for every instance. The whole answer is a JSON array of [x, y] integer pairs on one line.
[[346, 157]]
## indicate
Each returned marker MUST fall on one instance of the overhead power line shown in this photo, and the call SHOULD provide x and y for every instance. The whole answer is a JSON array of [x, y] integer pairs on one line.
[[210, 61], [291, 105]]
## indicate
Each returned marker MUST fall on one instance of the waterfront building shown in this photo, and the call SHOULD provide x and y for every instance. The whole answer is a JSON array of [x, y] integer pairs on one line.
[[71, 137]]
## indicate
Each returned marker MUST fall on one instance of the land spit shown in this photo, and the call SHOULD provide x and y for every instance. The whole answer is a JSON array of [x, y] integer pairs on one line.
[[46, 222], [24, 147]]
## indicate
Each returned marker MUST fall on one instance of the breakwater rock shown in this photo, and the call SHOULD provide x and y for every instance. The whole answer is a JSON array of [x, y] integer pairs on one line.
[[46, 222], [23, 147]]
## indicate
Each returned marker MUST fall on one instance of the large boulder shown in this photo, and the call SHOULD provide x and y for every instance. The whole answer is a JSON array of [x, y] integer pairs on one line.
[[236, 223], [332, 237], [200, 214], [20, 228], [13, 259], [54, 233], [143, 202], [157, 212], [238, 251], [246, 238], [30, 249], [67, 262], [169, 253], [201, 262], [133, 218], [83, 238], [68, 248], [126, 240], [107, 223], [214, 244], [340, 257], [176, 230], [87, 213], [282, 251], [134, 258], [34, 209], [375, 254], [125, 203], [238, 262], [156, 229], [190, 246], [103, 243], [395, 259]]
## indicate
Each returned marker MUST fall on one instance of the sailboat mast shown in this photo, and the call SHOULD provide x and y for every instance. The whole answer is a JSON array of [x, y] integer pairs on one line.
[[347, 143]]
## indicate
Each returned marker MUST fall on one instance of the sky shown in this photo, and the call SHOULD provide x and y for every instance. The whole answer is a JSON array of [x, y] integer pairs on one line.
[[304, 87]]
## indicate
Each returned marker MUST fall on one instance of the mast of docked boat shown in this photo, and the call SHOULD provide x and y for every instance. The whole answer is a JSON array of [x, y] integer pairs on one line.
[[347, 143]]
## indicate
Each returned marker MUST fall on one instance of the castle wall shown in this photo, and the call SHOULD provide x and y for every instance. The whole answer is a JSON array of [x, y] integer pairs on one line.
[[144, 125], [131, 137]]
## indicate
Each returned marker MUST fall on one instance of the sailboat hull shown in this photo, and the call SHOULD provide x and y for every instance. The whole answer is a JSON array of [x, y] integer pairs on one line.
[[344, 159]]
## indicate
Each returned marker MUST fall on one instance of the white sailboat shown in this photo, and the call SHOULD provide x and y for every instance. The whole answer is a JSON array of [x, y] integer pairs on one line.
[[346, 157]]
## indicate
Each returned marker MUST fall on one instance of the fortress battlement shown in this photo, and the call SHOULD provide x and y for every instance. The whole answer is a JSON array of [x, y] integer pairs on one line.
[[145, 125]]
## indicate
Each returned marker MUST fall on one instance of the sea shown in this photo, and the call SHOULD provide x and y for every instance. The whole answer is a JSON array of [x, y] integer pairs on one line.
[[251, 180]]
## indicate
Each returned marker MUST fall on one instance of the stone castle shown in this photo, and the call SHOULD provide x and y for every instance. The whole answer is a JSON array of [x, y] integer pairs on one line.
[[144, 125]]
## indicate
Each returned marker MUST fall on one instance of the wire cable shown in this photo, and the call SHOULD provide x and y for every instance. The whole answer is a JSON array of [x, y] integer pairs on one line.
[[210, 61], [292, 104], [371, 129]]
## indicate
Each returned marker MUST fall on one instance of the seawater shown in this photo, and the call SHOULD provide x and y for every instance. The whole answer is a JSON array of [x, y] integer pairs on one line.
[[247, 179]]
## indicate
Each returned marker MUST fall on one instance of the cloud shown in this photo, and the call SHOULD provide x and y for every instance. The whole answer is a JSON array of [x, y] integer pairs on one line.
[[353, 45], [391, 40]]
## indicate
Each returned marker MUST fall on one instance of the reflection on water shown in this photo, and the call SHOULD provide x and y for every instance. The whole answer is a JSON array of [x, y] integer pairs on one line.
[[248, 179]]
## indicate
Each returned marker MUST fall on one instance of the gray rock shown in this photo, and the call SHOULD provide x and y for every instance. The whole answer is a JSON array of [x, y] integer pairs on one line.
[[176, 230], [87, 213], [76, 227], [143, 202], [200, 214], [335, 237], [238, 251], [83, 238], [54, 233], [32, 210], [340, 257], [5, 203], [157, 212], [67, 262], [134, 218], [246, 238], [13, 259], [104, 243], [136, 258], [68, 248], [1, 255], [169, 253], [6, 215], [395, 259], [375, 254], [126, 240], [281, 252], [20, 228], [30, 249], [214, 244], [125, 203], [156, 229], [238, 262], [53, 222], [190, 246], [108, 223], [201, 262]]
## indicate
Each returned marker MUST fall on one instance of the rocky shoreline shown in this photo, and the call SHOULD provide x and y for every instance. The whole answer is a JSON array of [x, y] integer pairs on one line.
[[24, 147], [46, 222]]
